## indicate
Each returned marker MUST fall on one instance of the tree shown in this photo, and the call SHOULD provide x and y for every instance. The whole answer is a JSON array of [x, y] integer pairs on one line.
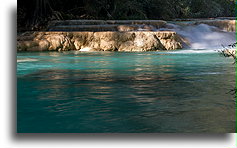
[[227, 52], [35, 14]]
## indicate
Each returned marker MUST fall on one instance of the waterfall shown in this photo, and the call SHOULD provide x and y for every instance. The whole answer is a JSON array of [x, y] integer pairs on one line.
[[203, 36]]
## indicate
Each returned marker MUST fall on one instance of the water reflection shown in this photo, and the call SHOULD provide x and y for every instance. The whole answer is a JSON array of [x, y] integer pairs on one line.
[[145, 95]]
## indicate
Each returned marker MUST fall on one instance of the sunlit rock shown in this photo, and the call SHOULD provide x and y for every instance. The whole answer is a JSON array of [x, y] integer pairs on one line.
[[44, 44], [127, 28], [103, 41]]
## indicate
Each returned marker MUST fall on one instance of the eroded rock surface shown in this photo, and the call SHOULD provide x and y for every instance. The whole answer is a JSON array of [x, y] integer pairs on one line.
[[99, 41]]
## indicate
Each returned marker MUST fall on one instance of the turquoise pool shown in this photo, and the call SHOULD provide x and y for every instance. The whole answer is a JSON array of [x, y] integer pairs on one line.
[[84, 92]]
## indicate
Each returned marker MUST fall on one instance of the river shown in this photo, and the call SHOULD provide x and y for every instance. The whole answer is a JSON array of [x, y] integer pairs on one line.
[[176, 91]]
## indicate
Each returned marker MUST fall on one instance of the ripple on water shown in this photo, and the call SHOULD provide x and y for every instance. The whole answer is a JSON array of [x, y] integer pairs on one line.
[[126, 92]]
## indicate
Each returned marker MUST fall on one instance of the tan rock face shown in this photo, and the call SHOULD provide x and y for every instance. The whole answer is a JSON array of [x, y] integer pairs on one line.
[[44, 44], [101, 41], [127, 28]]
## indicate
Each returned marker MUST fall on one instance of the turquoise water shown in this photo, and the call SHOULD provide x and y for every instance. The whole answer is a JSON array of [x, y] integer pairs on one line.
[[77, 92]]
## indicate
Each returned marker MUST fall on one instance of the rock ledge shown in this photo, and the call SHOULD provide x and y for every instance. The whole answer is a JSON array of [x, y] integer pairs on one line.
[[99, 41]]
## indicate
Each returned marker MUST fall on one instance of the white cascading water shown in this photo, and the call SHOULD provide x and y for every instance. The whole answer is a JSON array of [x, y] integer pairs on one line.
[[203, 36]]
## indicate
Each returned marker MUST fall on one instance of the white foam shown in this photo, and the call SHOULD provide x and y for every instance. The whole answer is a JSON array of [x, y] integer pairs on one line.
[[86, 49], [26, 60], [203, 36], [187, 51]]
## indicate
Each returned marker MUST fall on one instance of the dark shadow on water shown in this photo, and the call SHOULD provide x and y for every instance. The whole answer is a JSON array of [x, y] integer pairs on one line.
[[84, 137]]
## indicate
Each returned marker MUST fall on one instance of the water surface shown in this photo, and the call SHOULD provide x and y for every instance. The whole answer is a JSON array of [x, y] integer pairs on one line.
[[74, 92]]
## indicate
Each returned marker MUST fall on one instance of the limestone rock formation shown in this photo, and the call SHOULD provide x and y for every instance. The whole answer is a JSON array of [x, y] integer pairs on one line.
[[100, 41]]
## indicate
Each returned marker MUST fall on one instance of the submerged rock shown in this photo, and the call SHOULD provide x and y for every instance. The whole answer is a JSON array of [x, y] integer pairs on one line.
[[101, 41]]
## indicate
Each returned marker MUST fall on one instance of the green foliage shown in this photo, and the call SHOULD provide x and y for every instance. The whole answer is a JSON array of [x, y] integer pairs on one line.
[[43, 10]]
